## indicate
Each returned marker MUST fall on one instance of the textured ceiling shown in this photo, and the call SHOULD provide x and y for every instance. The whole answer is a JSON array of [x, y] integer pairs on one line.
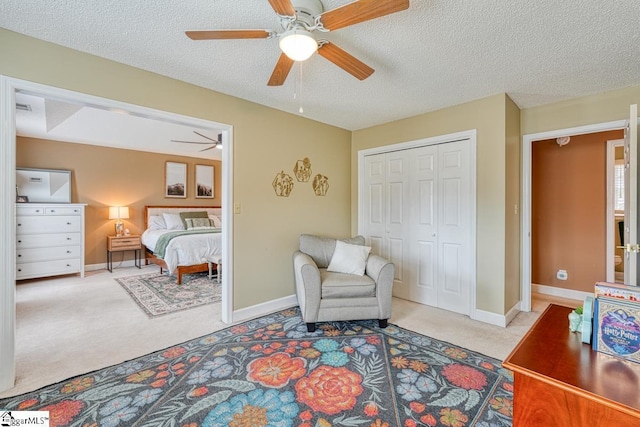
[[433, 55]]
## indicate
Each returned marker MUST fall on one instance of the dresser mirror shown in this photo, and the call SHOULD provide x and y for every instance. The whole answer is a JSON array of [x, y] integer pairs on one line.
[[43, 185]]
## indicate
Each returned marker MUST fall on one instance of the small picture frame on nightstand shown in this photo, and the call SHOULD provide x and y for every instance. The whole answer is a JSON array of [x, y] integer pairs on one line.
[[22, 199]]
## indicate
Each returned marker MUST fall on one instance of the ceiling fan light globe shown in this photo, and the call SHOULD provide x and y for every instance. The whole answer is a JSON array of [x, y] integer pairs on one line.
[[298, 44]]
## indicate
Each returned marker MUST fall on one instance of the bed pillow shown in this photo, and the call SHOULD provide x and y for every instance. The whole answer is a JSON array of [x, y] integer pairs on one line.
[[349, 259], [217, 222], [194, 214], [173, 221], [156, 222], [199, 224]]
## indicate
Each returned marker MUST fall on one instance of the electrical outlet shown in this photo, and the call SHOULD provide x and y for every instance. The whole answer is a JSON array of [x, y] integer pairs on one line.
[[515, 209]]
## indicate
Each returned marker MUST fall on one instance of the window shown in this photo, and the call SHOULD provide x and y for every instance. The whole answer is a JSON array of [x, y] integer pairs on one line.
[[618, 182]]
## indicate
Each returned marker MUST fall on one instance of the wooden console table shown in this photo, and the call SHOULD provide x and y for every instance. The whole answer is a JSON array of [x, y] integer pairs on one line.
[[559, 381]]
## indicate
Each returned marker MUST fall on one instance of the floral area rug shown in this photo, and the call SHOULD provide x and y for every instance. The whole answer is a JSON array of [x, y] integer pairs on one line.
[[158, 294], [272, 372]]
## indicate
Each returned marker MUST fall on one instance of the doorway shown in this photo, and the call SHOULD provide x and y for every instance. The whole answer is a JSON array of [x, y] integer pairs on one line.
[[8, 89], [615, 211], [526, 237]]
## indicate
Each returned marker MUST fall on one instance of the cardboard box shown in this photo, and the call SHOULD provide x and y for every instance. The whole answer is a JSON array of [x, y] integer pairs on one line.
[[616, 328], [617, 291]]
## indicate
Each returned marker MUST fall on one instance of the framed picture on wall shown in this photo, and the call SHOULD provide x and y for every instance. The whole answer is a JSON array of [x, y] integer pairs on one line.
[[175, 180], [204, 182]]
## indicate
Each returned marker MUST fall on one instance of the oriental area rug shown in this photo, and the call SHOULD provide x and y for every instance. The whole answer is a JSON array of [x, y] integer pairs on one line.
[[271, 372], [160, 294]]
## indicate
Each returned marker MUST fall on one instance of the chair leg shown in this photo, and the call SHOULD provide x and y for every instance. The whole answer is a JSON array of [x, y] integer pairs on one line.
[[311, 327], [382, 323]]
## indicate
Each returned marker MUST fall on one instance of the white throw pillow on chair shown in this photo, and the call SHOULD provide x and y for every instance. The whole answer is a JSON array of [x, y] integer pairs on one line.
[[349, 259]]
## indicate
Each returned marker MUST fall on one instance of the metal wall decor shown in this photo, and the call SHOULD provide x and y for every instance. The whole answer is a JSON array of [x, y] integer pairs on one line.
[[320, 185], [302, 170], [283, 184]]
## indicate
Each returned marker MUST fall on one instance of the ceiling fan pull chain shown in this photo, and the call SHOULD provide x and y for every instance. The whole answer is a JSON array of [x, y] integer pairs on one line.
[[300, 110]]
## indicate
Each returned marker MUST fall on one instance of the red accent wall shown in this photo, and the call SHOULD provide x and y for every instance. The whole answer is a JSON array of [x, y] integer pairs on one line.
[[568, 211]]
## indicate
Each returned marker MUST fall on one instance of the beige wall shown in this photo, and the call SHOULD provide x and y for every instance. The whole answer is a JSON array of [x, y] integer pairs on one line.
[[512, 208], [587, 110], [266, 141], [488, 116], [568, 211], [103, 177]]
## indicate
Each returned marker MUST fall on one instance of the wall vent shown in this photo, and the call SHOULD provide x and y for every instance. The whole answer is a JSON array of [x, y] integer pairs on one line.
[[23, 107]]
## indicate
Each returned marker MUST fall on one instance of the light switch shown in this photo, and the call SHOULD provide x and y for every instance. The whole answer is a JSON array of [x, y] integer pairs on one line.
[[236, 208]]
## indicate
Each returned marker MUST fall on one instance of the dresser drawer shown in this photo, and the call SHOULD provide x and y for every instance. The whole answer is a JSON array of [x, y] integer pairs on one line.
[[48, 224], [48, 240], [46, 254], [62, 211], [47, 268], [29, 210]]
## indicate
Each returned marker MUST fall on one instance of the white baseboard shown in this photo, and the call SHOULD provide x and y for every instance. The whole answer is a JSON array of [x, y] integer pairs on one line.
[[265, 308], [560, 292], [490, 318]]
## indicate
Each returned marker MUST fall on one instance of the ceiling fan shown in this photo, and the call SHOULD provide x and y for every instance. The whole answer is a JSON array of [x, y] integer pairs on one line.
[[216, 143], [299, 20]]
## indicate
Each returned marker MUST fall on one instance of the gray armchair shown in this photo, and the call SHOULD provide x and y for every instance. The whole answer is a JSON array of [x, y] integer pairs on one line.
[[329, 296]]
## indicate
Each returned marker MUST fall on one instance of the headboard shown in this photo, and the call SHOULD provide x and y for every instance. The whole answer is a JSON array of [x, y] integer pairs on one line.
[[158, 210]]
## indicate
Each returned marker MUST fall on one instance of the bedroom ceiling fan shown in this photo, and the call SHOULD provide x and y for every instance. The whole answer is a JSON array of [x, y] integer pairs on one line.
[[216, 143], [300, 19]]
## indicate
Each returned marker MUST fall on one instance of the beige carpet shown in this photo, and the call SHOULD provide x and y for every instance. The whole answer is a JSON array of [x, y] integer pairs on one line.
[[69, 326]]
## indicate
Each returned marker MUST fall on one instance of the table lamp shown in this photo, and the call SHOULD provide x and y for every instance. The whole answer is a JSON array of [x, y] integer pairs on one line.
[[118, 213]]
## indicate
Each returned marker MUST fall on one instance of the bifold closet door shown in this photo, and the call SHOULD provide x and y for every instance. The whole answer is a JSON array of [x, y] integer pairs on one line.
[[441, 226], [417, 213], [386, 212]]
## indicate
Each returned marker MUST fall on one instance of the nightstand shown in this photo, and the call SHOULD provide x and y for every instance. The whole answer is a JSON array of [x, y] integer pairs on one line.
[[121, 244]]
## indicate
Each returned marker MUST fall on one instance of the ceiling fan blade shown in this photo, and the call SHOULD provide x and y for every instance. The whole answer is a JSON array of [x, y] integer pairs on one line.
[[228, 34], [281, 71], [346, 61], [209, 148], [191, 142], [205, 136], [360, 11], [283, 7]]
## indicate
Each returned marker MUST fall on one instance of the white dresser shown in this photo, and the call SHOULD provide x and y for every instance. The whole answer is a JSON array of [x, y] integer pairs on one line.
[[49, 239]]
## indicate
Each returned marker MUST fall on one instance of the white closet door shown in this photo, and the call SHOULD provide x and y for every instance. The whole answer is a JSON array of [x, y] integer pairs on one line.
[[397, 227], [454, 227], [386, 196], [417, 213], [375, 203], [424, 225]]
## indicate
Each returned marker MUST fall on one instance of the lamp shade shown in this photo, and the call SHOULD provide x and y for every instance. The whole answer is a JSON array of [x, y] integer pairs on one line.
[[118, 212], [298, 44]]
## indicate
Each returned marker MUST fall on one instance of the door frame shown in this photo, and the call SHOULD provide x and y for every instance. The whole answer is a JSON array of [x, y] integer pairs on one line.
[[610, 226], [470, 135], [525, 238], [8, 88]]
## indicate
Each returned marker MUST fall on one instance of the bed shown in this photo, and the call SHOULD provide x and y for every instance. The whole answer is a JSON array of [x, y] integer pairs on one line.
[[195, 250]]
